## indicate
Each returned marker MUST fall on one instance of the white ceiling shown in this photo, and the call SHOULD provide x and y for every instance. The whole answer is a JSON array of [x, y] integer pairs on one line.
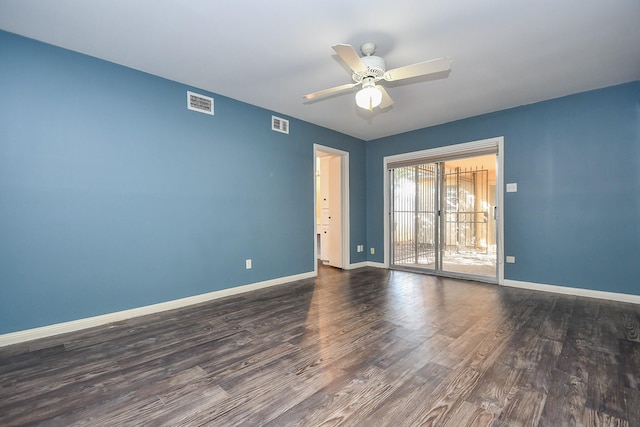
[[270, 53]]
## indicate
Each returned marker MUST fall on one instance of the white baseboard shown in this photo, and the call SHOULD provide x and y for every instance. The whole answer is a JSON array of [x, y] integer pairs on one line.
[[365, 264], [90, 322], [357, 265], [589, 293], [376, 264]]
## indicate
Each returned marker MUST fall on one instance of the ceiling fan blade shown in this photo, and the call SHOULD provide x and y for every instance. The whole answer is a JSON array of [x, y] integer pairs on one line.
[[350, 57], [330, 91], [420, 69], [386, 99]]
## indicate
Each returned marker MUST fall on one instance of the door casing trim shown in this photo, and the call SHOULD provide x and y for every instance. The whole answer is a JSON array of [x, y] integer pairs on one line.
[[344, 183]]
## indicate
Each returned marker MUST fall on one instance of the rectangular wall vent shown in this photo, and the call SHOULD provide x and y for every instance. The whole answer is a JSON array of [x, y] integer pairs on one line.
[[201, 103], [279, 125]]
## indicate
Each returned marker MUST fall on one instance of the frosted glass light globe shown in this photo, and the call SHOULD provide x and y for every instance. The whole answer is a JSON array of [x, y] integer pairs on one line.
[[368, 97]]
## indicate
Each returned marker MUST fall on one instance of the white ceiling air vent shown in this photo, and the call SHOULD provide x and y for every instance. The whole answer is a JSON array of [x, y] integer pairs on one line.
[[279, 125], [201, 103]]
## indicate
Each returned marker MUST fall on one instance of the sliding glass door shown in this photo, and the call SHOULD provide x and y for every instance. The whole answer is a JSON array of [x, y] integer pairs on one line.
[[443, 217], [415, 215]]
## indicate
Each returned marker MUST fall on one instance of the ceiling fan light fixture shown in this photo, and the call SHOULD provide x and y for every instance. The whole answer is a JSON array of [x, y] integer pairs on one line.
[[369, 97], [369, 69]]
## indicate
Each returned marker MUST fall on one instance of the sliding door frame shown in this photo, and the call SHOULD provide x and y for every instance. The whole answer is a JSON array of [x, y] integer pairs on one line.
[[466, 149]]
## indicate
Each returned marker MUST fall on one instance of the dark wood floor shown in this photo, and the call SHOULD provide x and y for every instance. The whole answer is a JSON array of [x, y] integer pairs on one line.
[[367, 347]]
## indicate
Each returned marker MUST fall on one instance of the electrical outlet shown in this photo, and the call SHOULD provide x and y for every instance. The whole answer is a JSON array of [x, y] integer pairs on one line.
[[360, 248], [511, 259], [373, 251], [247, 264]]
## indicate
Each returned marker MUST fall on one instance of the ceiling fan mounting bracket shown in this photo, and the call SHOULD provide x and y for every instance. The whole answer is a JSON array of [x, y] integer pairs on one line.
[[368, 48]]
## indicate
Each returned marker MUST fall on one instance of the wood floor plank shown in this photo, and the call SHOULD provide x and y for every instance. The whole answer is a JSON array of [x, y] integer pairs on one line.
[[468, 414], [604, 392], [544, 359], [565, 403], [630, 364], [555, 325], [447, 397], [495, 388], [364, 347], [409, 398], [630, 317], [632, 401], [523, 407]]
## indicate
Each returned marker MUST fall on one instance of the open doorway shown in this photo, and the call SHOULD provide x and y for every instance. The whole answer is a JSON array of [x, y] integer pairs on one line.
[[331, 206]]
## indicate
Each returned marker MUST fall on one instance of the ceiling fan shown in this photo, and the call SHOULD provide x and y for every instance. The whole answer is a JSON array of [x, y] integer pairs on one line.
[[369, 69]]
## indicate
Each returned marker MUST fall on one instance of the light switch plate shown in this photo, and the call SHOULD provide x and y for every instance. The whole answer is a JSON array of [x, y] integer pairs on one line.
[[512, 187]]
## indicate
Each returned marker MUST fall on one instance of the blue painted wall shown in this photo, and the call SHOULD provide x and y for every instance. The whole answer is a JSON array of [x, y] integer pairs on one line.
[[113, 195], [575, 220]]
